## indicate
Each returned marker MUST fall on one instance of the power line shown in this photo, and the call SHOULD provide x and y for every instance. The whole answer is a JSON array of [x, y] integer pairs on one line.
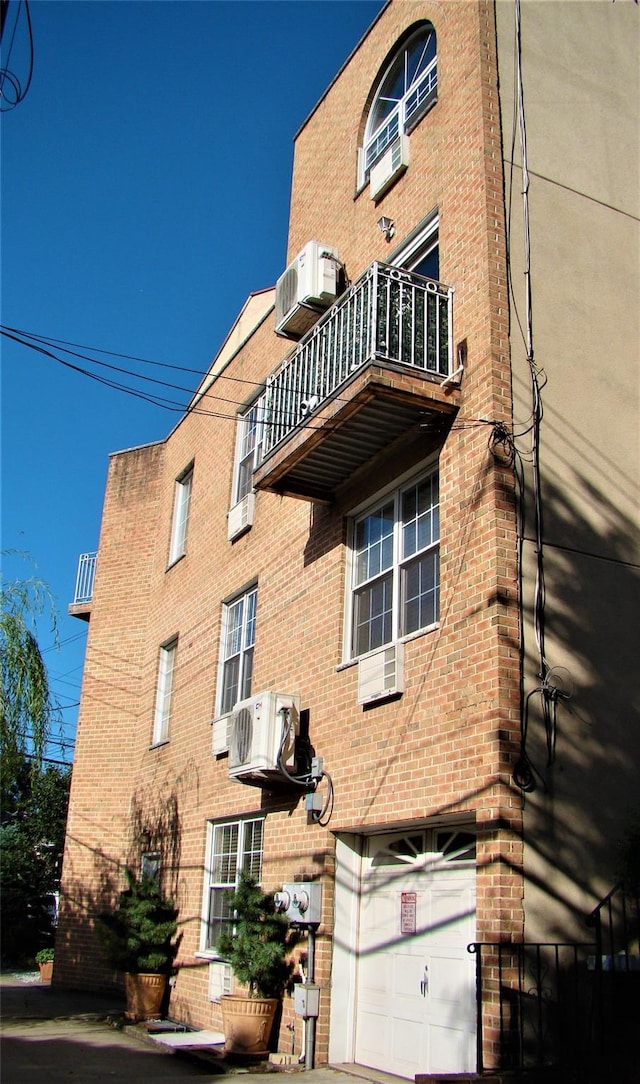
[[40, 344], [12, 89], [62, 643], [50, 340]]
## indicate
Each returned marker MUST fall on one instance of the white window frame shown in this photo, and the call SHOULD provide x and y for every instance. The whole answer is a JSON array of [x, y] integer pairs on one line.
[[397, 570], [237, 644], [164, 691], [419, 94], [232, 847], [248, 454], [180, 518]]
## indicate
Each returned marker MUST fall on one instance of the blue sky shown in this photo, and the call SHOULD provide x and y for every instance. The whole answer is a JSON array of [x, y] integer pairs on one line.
[[144, 194]]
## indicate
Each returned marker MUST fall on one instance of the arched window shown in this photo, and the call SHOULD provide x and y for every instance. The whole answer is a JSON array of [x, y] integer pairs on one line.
[[406, 90]]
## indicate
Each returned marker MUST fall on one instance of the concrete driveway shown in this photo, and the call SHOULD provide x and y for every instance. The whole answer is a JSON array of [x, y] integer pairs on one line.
[[50, 1034]]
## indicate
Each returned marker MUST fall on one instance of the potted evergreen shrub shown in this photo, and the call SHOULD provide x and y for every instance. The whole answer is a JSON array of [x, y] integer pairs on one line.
[[139, 935], [44, 960], [256, 946]]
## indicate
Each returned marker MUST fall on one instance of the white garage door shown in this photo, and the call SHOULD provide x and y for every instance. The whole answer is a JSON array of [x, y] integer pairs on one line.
[[416, 981]]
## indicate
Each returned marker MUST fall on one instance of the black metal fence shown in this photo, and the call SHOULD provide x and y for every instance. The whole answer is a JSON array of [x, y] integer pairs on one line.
[[562, 1005], [535, 1004], [616, 925]]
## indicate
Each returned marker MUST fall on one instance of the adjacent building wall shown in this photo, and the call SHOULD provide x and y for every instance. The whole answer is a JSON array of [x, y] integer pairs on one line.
[[580, 88]]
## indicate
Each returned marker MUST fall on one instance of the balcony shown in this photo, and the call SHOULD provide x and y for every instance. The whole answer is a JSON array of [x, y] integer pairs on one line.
[[370, 373], [83, 594]]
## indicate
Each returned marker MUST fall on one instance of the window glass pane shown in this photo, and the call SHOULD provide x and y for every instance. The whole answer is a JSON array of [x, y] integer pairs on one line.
[[249, 431], [164, 692], [245, 477], [248, 450], [374, 543], [252, 602], [428, 265], [234, 628], [420, 516], [421, 592], [252, 857], [230, 684], [181, 503], [373, 616], [420, 53], [239, 638], [219, 916], [225, 854], [247, 674]]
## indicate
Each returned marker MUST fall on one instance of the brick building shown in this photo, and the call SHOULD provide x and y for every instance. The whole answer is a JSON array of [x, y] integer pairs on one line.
[[419, 538]]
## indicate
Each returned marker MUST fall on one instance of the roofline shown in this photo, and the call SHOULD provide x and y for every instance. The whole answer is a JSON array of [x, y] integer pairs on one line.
[[138, 447], [211, 377]]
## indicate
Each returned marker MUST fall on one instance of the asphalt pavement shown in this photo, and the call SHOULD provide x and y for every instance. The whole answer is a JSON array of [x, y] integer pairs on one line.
[[51, 1034]]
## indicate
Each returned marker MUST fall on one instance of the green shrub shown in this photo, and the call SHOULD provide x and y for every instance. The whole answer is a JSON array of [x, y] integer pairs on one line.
[[259, 941], [44, 956], [139, 934]]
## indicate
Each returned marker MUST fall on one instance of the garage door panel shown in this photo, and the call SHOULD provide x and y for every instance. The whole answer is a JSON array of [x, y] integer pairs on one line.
[[415, 1007]]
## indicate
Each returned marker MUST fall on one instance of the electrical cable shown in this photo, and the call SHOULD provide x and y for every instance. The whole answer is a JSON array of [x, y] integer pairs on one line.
[[547, 687], [7, 76], [277, 417], [307, 780], [12, 334], [286, 731], [325, 814]]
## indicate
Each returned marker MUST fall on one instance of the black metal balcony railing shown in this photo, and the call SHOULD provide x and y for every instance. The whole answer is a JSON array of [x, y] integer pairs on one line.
[[387, 315], [85, 578]]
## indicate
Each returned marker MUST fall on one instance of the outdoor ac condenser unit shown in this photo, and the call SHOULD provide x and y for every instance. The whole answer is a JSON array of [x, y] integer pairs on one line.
[[306, 289], [262, 736]]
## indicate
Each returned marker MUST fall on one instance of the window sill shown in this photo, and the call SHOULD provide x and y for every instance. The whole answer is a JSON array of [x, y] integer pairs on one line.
[[159, 744], [176, 561], [401, 640]]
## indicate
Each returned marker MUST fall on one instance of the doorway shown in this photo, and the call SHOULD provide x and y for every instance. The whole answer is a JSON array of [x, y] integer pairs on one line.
[[412, 976]]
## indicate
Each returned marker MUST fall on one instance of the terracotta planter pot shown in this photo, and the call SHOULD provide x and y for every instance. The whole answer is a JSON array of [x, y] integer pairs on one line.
[[247, 1023], [144, 995], [46, 971]]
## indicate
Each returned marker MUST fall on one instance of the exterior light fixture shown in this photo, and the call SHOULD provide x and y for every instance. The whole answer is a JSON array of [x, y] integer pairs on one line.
[[386, 227]]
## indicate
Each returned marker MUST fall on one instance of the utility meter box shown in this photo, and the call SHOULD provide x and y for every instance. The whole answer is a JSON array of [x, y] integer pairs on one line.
[[306, 999], [301, 903]]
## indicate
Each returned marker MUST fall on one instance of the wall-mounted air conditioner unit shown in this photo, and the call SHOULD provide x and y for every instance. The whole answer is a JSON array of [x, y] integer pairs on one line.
[[262, 737], [306, 289], [394, 161], [240, 517], [381, 674], [220, 980]]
